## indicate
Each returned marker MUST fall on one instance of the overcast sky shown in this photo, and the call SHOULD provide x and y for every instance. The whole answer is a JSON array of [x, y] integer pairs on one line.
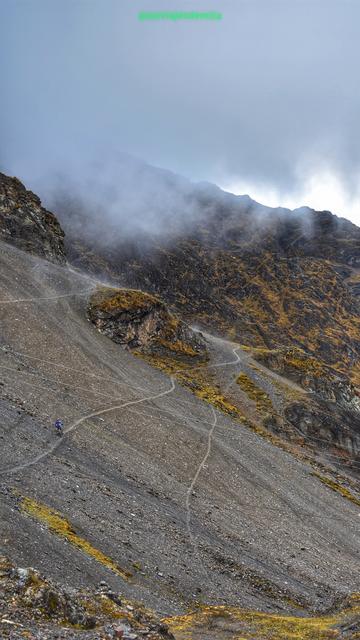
[[265, 101]]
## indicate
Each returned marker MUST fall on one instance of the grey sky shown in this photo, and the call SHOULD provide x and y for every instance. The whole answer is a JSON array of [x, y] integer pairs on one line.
[[268, 98]]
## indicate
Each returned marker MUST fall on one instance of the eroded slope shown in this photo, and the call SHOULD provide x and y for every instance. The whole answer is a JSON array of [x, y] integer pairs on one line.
[[255, 529]]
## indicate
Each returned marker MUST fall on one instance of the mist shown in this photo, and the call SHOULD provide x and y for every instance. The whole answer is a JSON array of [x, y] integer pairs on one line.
[[119, 198], [265, 102]]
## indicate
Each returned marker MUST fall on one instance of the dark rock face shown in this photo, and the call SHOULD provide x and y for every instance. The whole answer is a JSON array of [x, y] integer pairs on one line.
[[26, 224], [331, 412], [338, 429]]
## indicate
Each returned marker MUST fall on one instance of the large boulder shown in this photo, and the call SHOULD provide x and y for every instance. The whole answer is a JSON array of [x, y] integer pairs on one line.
[[141, 321]]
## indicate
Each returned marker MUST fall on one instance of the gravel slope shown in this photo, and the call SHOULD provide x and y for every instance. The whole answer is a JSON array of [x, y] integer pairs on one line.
[[263, 529]]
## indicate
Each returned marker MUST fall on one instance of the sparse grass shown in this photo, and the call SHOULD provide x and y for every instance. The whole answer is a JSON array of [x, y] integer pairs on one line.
[[61, 527], [338, 488], [249, 624], [179, 347], [262, 400], [292, 360], [111, 299]]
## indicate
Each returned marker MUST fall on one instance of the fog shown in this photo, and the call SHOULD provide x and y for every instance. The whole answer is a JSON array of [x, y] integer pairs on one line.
[[119, 197], [265, 101]]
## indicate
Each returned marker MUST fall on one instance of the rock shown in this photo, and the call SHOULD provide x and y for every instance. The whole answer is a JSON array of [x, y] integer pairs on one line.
[[141, 321]]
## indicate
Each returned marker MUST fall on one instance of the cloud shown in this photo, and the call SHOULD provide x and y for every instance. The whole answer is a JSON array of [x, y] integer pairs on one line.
[[119, 197], [248, 99], [318, 186]]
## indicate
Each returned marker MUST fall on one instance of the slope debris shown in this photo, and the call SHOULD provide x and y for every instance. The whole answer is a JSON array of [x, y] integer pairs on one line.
[[331, 409]]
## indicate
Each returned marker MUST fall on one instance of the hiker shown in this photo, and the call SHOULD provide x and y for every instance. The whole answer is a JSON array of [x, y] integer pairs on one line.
[[59, 425]]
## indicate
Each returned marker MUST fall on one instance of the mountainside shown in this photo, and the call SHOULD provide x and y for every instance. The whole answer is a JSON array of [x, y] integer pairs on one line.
[[212, 477], [129, 494], [268, 279]]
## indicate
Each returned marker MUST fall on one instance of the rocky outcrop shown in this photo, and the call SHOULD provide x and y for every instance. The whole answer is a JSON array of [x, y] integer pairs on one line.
[[141, 321], [32, 606], [26, 224], [327, 426], [331, 412]]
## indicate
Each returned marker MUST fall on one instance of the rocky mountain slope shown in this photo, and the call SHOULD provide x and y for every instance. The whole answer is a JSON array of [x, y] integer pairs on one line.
[[131, 494], [267, 278], [194, 477], [26, 224]]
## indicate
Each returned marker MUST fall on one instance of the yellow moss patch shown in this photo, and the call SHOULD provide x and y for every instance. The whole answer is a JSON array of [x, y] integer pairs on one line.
[[288, 390], [178, 346], [307, 364], [249, 624], [294, 358], [262, 400], [58, 525], [335, 486], [110, 299]]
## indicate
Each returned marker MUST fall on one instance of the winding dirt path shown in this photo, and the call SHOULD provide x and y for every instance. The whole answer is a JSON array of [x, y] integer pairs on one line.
[[61, 295], [82, 419], [77, 423], [206, 456]]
